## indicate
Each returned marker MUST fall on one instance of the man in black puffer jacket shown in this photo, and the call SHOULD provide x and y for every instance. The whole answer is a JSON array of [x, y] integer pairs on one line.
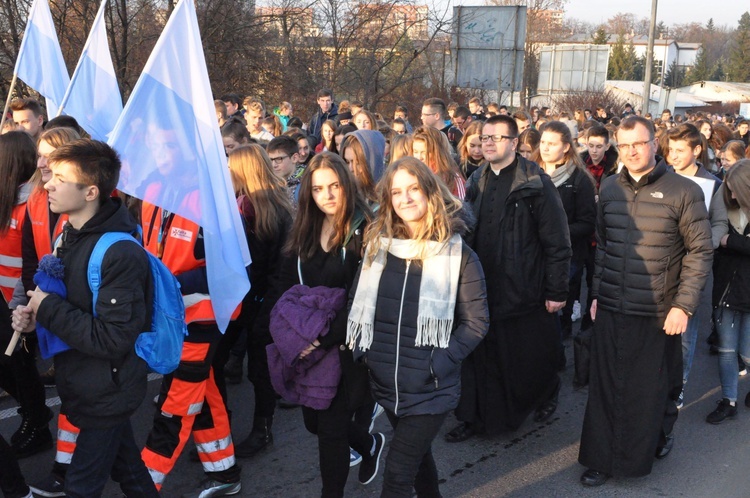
[[100, 379], [654, 253]]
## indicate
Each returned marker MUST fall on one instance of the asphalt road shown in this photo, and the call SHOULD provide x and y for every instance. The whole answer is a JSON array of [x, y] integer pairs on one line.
[[539, 460]]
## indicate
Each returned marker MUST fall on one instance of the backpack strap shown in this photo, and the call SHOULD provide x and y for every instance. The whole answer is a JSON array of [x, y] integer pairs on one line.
[[97, 256]]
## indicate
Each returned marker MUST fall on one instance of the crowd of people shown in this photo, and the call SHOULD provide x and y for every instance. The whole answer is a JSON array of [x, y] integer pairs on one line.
[[414, 270]]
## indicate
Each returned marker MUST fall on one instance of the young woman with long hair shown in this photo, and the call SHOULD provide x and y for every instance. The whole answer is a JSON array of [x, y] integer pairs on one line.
[[528, 142], [415, 256], [470, 149], [327, 137], [18, 374], [731, 292], [431, 147], [324, 250], [401, 146], [267, 215], [558, 156], [365, 120]]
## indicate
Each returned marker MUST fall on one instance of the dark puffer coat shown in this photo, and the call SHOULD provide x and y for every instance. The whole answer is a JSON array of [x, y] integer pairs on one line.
[[409, 380], [654, 247]]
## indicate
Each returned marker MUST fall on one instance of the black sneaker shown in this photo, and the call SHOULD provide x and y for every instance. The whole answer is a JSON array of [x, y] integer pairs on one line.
[[50, 486], [36, 441], [724, 411], [368, 469]]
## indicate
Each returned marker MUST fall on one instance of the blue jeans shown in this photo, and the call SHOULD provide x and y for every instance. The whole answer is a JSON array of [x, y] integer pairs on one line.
[[101, 453], [410, 465], [689, 338], [734, 337]]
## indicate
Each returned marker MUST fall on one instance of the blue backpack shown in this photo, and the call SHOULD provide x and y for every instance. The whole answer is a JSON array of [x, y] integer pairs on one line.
[[161, 347]]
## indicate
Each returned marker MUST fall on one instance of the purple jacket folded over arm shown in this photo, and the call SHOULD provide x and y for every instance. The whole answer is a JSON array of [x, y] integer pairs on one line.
[[301, 316]]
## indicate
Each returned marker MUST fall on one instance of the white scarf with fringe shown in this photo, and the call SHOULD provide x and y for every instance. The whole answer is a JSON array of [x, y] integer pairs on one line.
[[437, 292]]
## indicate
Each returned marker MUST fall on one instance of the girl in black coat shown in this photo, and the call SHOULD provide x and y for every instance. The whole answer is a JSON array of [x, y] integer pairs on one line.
[[324, 248], [558, 156], [267, 217], [419, 309]]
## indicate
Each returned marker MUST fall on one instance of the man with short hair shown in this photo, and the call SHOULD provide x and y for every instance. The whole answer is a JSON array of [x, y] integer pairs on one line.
[[666, 116], [600, 159], [462, 118], [234, 105], [521, 237], [402, 112], [523, 120], [684, 149], [476, 108], [221, 112], [434, 115], [100, 378], [327, 110], [28, 116], [284, 154], [254, 114], [654, 252], [399, 126], [743, 132]]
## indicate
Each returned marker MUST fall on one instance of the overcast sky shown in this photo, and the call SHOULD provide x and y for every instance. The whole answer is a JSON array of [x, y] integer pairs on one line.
[[669, 11]]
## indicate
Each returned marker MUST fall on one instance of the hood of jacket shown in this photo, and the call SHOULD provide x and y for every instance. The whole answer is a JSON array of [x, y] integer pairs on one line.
[[112, 216], [373, 145]]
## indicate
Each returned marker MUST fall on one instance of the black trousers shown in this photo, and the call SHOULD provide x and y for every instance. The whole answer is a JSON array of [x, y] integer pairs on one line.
[[410, 464], [257, 361], [336, 432], [12, 483], [18, 374]]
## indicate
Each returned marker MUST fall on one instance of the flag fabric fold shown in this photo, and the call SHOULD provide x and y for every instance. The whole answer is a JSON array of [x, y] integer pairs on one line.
[[93, 97], [40, 63], [173, 155]]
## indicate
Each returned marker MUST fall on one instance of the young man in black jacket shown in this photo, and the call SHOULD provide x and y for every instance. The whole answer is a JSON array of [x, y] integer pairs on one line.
[[100, 379]]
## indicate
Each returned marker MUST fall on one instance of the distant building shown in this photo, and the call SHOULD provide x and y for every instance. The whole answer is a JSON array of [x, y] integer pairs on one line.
[[297, 21], [715, 92], [666, 50], [395, 20]]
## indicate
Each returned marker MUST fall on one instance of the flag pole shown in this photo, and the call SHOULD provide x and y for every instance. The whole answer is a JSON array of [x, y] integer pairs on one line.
[[7, 101]]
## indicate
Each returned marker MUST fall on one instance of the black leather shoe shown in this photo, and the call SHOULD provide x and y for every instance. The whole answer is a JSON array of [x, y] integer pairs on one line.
[[593, 478], [549, 407], [460, 433], [260, 438], [663, 450]]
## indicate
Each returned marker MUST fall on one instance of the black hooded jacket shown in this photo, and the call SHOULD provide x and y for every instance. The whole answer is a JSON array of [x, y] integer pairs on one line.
[[101, 380]]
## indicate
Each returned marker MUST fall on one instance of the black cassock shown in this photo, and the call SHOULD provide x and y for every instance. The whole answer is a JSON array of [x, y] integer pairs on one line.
[[636, 374]]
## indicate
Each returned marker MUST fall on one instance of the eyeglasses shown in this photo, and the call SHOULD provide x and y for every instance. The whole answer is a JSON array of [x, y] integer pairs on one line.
[[430, 114], [625, 148], [495, 138], [278, 160]]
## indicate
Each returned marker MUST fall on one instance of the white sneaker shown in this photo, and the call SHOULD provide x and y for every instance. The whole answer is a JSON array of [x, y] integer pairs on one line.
[[211, 489], [354, 458], [576, 312]]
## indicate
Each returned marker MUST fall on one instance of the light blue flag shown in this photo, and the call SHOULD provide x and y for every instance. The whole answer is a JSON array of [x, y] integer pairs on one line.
[[173, 155], [40, 63], [93, 97]]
